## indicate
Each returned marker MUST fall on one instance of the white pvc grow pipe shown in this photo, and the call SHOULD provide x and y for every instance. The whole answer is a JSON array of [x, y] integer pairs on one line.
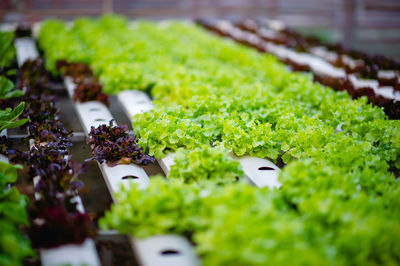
[[71, 254], [26, 49], [164, 250]]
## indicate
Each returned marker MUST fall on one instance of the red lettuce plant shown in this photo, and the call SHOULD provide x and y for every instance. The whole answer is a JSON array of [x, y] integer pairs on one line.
[[88, 88], [54, 217], [90, 91], [113, 145], [33, 78], [78, 71], [52, 225]]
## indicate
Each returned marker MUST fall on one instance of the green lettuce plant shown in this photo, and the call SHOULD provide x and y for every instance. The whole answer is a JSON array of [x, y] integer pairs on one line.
[[13, 246], [6, 89], [205, 164], [244, 225], [7, 50], [8, 117]]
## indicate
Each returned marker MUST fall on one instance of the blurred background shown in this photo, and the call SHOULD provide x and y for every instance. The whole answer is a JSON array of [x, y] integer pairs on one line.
[[368, 25]]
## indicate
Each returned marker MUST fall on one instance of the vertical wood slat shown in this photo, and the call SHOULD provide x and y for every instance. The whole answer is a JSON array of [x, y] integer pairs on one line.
[[349, 25], [107, 6]]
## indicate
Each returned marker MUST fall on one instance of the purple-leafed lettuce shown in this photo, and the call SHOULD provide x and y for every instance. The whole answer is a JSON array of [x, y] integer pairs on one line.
[[6, 146], [90, 91], [33, 78], [113, 145], [52, 225], [78, 71]]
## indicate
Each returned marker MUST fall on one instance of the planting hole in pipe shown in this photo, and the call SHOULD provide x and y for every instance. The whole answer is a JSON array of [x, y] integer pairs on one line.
[[100, 120], [130, 177], [169, 252], [264, 168]]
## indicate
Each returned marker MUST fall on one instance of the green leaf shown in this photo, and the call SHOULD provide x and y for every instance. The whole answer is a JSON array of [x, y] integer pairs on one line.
[[205, 163], [8, 173], [11, 72], [8, 117]]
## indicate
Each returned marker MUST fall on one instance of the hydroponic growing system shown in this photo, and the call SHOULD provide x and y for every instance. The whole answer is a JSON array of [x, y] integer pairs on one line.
[[272, 148]]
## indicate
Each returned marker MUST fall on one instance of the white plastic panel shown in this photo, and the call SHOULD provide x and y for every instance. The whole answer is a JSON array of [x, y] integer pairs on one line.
[[11, 26], [79, 204], [3, 158], [135, 102], [224, 25], [362, 83], [387, 91], [71, 254], [124, 174], [70, 86], [139, 108], [250, 24], [352, 63], [324, 53], [35, 29], [35, 181], [387, 74], [260, 172], [26, 49], [277, 25], [93, 114], [166, 162], [165, 250], [318, 65]]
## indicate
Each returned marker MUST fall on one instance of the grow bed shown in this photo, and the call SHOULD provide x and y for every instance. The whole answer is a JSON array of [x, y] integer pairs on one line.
[[335, 189]]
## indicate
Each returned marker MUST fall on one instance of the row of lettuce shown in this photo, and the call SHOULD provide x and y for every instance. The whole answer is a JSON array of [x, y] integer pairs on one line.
[[382, 90], [53, 217], [364, 65], [339, 200], [13, 245]]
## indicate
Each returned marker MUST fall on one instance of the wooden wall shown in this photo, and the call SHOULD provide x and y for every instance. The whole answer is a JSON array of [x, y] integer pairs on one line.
[[370, 25]]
